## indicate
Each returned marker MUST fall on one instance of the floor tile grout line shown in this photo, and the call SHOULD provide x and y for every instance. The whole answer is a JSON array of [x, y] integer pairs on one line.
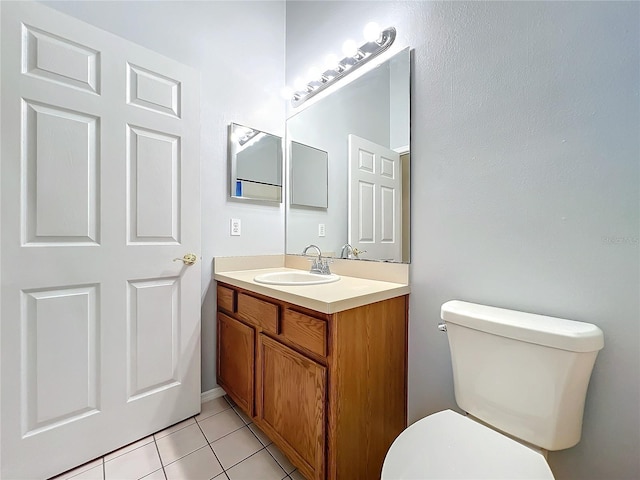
[[226, 434], [104, 457], [215, 413], [255, 435], [186, 454], [175, 431], [225, 469], [264, 447], [276, 460], [211, 415], [267, 449], [211, 447], [159, 457], [154, 440], [244, 459]]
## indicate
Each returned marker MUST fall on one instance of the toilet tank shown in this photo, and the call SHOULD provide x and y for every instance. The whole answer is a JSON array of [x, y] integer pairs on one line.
[[524, 374]]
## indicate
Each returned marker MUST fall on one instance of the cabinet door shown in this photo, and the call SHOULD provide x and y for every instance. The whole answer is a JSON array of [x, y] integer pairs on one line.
[[290, 404], [236, 360]]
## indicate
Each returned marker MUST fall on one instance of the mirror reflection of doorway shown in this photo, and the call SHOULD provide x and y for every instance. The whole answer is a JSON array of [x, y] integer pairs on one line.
[[375, 200]]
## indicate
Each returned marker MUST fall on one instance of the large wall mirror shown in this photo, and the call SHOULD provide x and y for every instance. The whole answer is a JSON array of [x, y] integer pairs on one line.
[[255, 165], [364, 129]]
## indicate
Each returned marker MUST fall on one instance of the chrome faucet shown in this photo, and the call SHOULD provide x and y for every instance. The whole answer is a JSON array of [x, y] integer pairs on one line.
[[320, 265], [346, 248], [354, 251]]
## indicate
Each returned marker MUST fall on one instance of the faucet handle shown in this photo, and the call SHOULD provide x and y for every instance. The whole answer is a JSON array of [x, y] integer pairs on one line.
[[324, 266], [357, 252], [316, 266]]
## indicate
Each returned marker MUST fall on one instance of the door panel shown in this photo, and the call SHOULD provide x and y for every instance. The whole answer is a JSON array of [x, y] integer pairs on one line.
[[60, 148], [61, 385], [57, 59], [154, 336], [100, 331], [153, 91], [154, 186]]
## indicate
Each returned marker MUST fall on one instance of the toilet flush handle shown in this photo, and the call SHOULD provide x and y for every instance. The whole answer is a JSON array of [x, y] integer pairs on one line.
[[442, 327]]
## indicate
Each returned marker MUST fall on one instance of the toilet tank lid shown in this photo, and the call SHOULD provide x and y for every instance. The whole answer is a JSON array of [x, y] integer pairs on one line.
[[527, 327]]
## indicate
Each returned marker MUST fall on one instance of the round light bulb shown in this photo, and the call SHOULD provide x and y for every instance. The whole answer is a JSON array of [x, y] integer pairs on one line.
[[331, 62], [299, 84], [313, 73], [372, 32], [242, 131], [349, 48]]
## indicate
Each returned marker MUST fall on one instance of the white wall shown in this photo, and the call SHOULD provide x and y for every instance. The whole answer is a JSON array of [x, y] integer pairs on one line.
[[525, 178], [238, 46]]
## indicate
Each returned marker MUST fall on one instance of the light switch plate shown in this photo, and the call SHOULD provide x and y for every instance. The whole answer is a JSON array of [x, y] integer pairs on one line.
[[321, 230], [236, 227]]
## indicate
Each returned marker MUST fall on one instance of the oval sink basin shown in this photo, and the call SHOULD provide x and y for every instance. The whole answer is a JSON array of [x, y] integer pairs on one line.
[[295, 278]]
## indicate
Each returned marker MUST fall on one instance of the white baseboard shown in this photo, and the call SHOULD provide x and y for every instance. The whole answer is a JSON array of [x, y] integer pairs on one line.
[[211, 394]]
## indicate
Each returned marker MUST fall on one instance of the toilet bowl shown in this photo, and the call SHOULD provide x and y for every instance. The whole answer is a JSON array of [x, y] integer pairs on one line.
[[519, 374], [448, 446]]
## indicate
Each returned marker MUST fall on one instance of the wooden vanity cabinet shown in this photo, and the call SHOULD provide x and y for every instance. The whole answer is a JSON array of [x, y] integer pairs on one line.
[[330, 390]]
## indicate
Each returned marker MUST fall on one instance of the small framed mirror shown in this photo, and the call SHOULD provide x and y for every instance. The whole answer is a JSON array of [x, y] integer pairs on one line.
[[309, 176], [255, 165]]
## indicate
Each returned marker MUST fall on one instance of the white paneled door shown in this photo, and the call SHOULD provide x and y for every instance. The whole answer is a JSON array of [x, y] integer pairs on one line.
[[375, 200], [100, 327]]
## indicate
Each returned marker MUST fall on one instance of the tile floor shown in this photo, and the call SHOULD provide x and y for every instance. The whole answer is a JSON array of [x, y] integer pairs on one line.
[[220, 442]]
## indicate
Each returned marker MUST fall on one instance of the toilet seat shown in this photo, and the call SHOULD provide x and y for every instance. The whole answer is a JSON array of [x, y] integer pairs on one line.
[[447, 446]]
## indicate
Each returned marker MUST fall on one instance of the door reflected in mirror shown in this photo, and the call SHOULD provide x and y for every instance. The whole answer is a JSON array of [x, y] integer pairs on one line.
[[255, 164], [364, 129]]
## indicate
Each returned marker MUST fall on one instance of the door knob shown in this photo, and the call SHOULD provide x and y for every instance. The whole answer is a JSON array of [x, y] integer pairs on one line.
[[188, 259]]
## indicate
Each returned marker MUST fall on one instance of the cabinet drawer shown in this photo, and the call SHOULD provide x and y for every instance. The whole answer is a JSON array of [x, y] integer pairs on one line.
[[226, 299], [258, 312], [306, 331]]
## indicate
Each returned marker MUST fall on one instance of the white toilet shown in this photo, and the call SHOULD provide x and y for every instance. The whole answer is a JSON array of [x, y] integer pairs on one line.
[[522, 379]]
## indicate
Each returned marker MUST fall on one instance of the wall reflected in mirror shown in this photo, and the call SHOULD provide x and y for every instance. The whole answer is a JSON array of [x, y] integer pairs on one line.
[[255, 165], [364, 128]]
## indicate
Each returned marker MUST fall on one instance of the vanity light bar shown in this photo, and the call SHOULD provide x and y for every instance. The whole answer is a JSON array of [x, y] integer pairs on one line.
[[248, 136], [348, 64]]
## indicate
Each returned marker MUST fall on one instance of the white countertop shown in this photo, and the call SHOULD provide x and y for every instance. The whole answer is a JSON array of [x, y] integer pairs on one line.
[[346, 293]]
